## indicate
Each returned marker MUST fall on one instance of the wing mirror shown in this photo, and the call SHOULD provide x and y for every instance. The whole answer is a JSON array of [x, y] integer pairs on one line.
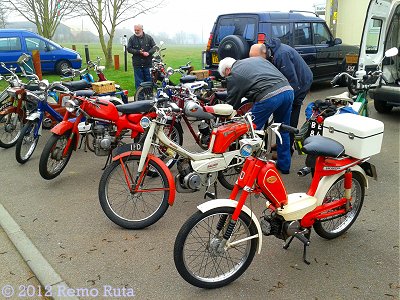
[[391, 52]]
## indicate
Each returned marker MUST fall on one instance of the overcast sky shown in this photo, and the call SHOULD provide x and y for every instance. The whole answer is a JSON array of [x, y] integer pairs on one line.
[[198, 16]]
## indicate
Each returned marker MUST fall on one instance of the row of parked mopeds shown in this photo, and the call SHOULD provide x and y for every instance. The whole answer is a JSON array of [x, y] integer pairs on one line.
[[143, 140]]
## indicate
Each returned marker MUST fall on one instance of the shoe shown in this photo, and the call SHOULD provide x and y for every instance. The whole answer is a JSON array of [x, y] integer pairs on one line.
[[283, 171]]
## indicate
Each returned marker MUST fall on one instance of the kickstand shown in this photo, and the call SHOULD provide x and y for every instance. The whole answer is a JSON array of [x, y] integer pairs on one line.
[[305, 239], [80, 144], [287, 244], [108, 159], [209, 194]]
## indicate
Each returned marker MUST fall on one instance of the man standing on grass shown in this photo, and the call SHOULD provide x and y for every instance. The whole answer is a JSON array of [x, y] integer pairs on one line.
[[142, 48]]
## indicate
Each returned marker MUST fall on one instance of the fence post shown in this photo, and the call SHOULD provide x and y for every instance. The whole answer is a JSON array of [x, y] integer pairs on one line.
[[74, 47], [87, 53], [116, 62], [36, 63], [125, 53]]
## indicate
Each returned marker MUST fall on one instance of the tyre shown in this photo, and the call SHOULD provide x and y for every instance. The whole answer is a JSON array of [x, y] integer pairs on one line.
[[331, 228], [52, 162], [352, 86], [382, 107], [234, 46], [27, 141], [145, 93], [10, 127], [228, 177], [196, 254], [130, 209], [62, 65]]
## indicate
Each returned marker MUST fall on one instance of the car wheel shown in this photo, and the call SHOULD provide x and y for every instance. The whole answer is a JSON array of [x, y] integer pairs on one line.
[[233, 46], [382, 107], [62, 65]]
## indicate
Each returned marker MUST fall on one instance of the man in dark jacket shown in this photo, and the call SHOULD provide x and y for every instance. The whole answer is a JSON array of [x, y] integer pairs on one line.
[[142, 47], [259, 81], [293, 67]]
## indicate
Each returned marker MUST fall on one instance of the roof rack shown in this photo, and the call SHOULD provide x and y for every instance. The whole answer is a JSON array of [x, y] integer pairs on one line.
[[305, 11]]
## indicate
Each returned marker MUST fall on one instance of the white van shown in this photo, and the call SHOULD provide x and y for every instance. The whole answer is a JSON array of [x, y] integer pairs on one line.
[[382, 32]]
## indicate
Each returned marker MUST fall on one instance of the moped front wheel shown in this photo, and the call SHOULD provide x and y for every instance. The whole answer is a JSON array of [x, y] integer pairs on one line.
[[52, 161], [129, 207], [27, 141], [145, 93], [10, 128], [333, 227], [198, 256]]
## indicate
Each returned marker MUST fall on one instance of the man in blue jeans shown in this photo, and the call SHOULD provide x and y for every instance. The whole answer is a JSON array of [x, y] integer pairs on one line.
[[261, 82], [142, 48]]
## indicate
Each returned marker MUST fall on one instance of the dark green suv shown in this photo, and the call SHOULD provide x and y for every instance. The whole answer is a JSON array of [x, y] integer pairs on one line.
[[233, 34]]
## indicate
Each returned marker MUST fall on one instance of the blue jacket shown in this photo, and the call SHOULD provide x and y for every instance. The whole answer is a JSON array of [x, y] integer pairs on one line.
[[292, 66]]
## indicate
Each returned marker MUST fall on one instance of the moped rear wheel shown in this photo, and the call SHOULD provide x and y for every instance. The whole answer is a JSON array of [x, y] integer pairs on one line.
[[197, 256], [10, 127], [331, 228], [52, 162], [228, 177], [145, 93], [127, 208], [27, 141]]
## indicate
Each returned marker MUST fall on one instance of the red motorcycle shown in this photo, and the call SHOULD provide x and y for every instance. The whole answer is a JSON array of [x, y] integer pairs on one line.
[[97, 117]]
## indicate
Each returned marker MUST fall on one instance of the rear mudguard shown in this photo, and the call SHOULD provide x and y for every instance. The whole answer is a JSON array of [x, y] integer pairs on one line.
[[63, 127], [326, 183], [8, 110], [147, 84], [163, 166], [209, 205]]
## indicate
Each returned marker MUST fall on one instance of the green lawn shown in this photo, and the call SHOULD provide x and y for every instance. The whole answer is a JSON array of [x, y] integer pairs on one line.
[[175, 56]]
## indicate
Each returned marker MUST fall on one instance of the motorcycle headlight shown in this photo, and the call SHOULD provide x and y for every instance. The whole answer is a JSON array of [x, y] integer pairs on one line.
[[246, 150], [43, 85], [145, 122], [71, 105]]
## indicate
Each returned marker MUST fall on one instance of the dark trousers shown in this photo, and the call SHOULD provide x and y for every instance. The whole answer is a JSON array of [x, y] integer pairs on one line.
[[294, 117], [141, 74]]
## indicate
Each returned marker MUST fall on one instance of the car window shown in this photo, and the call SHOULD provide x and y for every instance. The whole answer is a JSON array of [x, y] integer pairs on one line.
[[35, 44], [243, 26], [10, 44], [302, 34], [321, 34], [373, 34], [281, 31]]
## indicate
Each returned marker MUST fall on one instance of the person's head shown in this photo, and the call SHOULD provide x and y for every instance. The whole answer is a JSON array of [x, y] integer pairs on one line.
[[225, 66], [138, 29], [258, 50]]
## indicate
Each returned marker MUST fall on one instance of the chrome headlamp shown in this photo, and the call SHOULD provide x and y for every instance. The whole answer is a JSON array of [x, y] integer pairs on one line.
[[248, 146], [43, 84], [71, 105], [246, 150], [145, 122]]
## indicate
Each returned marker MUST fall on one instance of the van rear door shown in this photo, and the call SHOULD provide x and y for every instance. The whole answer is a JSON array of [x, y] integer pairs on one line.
[[10, 50], [373, 37]]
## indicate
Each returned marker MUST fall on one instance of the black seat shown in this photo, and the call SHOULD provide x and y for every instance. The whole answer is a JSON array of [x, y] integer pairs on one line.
[[84, 93], [77, 85], [32, 87], [188, 79], [136, 107], [221, 95], [322, 146]]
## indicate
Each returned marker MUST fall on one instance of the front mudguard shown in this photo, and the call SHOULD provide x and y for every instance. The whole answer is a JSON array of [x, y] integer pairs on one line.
[[147, 84], [327, 181], [63, 127], [158, 161], [209, 205]]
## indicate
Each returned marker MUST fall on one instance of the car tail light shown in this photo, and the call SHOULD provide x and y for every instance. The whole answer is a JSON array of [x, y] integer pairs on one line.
[[261, 38], [209, 42]]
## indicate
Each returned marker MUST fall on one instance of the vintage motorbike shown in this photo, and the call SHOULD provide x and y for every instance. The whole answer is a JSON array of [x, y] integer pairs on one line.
[[149, 186], [217, 244]]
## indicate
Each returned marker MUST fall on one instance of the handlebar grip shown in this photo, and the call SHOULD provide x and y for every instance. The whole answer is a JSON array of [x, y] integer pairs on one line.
[[335, 79], [288, 128]]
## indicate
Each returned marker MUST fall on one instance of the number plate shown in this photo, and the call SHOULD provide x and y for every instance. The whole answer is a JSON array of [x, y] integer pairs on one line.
[[214, 58], [126, 148], [350, 69], [315, 128]]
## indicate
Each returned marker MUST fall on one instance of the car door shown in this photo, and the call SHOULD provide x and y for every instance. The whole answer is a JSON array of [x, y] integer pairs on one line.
[[10, 50], [327, 60], [47, 59], [302, 42]]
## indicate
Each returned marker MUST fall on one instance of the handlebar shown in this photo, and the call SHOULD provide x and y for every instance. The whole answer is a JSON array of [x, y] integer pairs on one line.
[[288, 128]]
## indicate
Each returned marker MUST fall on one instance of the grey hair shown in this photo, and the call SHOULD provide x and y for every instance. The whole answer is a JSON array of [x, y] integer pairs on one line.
[[227, 62]]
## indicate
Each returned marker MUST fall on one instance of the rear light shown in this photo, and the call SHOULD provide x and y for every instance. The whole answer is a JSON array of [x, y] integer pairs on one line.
[[320, 119], [209, 42], [209, 72], [125, 92], [261, 38]]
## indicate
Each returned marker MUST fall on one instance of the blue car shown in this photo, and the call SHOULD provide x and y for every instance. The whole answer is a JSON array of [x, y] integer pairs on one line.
[[53, 57]]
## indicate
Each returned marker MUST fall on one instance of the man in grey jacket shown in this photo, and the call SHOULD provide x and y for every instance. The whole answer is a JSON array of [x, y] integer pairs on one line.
[[261, 82]]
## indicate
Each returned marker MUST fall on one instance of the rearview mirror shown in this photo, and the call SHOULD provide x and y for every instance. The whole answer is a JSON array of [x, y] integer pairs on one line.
[[161, 43], [392, 52]]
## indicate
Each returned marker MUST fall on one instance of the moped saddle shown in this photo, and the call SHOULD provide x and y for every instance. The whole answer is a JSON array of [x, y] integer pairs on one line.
[[221, 95], [220, 109], [322, 146], [136, 107], [77, 85], [188, 79], [84, 93], [32, 87], [341, 97]]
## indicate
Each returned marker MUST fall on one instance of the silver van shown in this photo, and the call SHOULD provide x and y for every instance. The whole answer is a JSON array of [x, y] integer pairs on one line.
[[382, 32]]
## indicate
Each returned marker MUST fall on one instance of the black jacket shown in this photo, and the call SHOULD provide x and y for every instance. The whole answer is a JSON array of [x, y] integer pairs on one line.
[[145, 43], [253, 78]]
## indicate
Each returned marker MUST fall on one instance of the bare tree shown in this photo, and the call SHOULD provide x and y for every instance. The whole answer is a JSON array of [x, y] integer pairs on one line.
[[106, 15], [3, 16], [45, 14]]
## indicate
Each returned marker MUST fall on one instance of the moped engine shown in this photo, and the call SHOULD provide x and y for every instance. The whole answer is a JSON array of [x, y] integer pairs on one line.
[[187, 178], [103, 140], [273, 224]]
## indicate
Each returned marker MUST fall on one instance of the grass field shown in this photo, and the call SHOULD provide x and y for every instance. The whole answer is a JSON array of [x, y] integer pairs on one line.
[[175, 56]]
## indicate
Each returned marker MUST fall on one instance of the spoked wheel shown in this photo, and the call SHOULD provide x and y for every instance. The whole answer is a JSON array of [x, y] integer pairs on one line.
[[126, 204], [331, 228], [27, 141], [52, 161], [229, 176], [145, 93], [198, 257], [10, 127]]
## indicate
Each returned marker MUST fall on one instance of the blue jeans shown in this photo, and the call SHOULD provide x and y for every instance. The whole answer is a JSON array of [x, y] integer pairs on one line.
[[141, 74], [281, 106]]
